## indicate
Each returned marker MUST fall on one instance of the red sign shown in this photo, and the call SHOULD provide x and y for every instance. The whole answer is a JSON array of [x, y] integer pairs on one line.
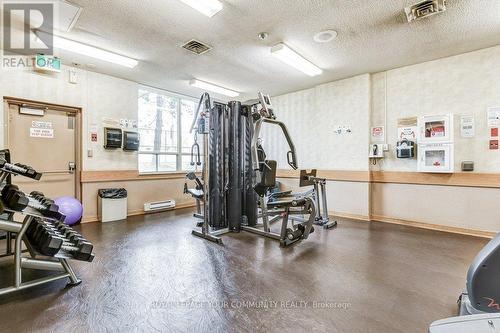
[[494, 132], [493, 144], [94, 137]]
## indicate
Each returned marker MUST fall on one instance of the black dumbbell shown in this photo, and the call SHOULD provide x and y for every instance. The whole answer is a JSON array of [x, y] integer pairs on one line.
[[44, 205], [49, 244], [7, 188], [29, 171], [71, 237], [37, 231], [37, 193], [43, 239], [48, 210], [72, 242], [13, 198]]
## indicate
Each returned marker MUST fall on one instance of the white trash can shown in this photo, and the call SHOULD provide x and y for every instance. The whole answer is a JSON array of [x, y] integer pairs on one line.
[[112, 204]]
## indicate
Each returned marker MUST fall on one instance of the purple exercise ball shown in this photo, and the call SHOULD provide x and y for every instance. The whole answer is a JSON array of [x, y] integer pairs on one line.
[[71, 208]]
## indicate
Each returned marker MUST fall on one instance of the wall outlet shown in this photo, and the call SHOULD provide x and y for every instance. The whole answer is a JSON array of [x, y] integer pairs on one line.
[[90, 153], [73, 76]]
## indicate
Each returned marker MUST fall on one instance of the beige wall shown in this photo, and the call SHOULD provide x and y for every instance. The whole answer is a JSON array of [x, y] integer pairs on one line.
[[139, 192], [463, 84], [461, 207], [311, 116], [100, 97], [344, 198]]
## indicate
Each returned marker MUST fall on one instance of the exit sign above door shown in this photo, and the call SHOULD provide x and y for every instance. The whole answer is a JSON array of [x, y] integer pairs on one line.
[[48, 63]]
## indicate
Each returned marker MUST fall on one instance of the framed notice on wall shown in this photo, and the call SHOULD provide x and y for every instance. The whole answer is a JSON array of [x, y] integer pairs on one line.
[[467, 128], [493, 115]]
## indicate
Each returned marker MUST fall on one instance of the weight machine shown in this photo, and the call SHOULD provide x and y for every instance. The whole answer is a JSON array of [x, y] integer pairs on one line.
[[236, 175], [317, 193]]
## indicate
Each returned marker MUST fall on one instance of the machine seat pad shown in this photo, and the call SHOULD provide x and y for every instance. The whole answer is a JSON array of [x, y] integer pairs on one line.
[[198, 194]]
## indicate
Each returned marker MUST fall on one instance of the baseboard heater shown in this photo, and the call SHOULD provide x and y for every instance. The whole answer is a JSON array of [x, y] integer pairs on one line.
[[159, 205]]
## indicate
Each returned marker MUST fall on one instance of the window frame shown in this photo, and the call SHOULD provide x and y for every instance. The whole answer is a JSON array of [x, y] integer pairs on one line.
[[179, 153]]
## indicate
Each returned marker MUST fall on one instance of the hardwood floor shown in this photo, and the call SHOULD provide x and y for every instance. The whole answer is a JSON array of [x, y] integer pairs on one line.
[[151, 275]]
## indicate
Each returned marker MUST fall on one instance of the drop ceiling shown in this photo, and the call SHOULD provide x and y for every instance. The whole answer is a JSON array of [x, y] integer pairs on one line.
[[373, 35]]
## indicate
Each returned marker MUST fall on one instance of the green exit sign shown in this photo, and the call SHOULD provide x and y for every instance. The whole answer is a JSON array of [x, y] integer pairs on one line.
[[48, 63]]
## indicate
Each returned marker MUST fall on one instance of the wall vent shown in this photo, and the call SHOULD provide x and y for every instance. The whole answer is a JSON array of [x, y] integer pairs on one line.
[[158, 206], [424, 8], [196, 47]]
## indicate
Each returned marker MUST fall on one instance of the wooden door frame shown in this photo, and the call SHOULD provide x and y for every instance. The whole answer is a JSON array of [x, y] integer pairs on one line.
[[7, 101]]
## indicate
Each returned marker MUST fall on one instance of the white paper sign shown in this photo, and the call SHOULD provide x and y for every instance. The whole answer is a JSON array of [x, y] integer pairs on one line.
[[342, 129], [494, 116], [46, 133], [467, 129], [41, 124], [377, 134], [408, 133]]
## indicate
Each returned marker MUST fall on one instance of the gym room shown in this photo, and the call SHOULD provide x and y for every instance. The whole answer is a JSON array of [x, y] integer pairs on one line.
[[250, 166]]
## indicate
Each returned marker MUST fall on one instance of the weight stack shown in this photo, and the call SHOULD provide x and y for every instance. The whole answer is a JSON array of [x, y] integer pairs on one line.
[[249, 195], [216, 212], [234, 192]]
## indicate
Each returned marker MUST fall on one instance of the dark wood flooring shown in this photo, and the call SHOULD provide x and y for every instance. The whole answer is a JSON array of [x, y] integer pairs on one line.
[[151, 275]]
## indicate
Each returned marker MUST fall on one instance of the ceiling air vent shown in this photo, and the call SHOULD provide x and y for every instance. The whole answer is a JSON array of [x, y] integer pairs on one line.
[[196, 47], [424, 8]]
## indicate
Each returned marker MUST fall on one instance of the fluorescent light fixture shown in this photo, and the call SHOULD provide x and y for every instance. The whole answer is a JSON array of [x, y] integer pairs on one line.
[[290, 57], [206, 7], [90, 51], [213, 88]]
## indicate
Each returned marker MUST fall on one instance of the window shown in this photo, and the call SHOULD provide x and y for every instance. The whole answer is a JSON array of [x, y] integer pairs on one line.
[[164, 124]]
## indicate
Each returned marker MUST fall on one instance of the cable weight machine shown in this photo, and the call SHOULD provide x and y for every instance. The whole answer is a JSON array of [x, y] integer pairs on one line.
[[236, 175]]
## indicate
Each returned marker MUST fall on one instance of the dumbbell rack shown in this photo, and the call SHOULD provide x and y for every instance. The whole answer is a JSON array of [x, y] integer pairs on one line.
[[35, 261]]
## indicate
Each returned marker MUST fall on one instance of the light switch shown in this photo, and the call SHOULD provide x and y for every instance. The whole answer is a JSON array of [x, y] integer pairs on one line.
[[73, 76]]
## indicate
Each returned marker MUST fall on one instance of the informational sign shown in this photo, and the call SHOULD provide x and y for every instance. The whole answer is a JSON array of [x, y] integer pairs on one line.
[[378, 134], [45, 133], [41, 124], [493, 116], [408, 133], [494, 132], [493, 144], [407, 129], [467, 127], [342, 129]]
